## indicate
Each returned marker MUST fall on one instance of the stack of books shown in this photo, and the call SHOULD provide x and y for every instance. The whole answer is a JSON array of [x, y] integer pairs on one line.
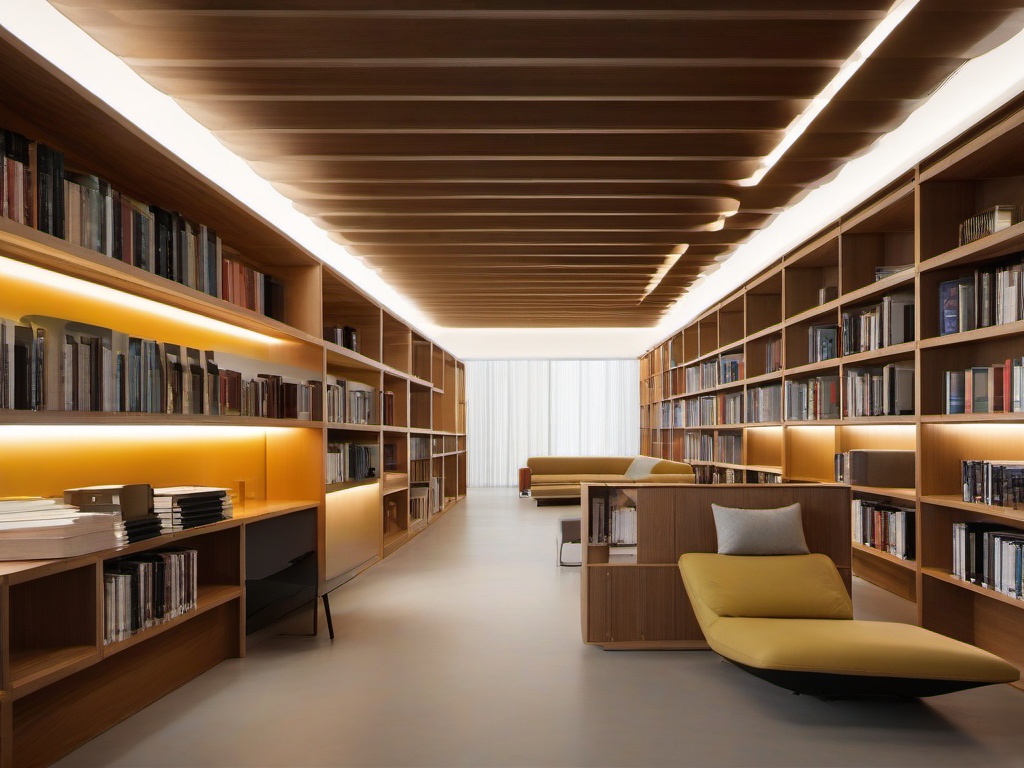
[[133, 503], [188, 506], [36, 528]]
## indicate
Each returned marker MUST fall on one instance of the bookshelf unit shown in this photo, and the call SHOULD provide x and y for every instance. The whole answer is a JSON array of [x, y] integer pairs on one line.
[[59, 684], [902, 245]]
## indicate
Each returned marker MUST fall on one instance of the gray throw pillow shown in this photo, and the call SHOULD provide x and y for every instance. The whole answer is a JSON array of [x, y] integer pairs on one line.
[[760, 531]]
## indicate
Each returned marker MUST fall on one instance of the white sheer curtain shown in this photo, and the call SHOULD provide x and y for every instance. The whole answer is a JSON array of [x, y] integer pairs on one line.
[[521, 408]]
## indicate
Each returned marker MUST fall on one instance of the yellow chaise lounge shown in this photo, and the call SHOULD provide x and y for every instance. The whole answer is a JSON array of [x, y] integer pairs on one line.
[[789, 620]]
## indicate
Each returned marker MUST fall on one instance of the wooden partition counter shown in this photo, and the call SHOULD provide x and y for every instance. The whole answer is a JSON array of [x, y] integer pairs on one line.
[[632, 597]]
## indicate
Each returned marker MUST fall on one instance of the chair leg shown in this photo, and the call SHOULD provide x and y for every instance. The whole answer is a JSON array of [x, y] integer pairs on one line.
[[327, 613]]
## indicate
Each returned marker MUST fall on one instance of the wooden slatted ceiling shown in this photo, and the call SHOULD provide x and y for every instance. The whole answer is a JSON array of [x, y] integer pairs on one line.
[[532, 163]]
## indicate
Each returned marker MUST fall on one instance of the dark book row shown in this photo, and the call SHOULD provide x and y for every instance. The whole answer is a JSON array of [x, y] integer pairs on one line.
[[143, 591], [990, 555], [351, 461], [51, 364], [36, 189], [996, 483]]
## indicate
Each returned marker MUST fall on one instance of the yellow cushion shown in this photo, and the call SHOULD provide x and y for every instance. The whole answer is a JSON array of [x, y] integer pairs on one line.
[[665, 478], [781, 586], [590, 477], [867, 648]]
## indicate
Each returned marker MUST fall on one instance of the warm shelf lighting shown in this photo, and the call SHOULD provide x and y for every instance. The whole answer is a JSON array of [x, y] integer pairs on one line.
[[46, 434], [164, 312], [54, 37], [802, 121]]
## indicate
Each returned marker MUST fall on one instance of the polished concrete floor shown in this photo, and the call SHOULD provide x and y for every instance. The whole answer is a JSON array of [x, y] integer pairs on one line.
[[463, 649]]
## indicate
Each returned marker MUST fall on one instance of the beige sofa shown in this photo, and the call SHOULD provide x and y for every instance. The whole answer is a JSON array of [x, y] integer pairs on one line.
[[557, 478]]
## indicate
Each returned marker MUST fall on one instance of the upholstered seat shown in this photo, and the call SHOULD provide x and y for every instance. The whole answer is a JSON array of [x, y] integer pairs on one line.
[[789, 620]]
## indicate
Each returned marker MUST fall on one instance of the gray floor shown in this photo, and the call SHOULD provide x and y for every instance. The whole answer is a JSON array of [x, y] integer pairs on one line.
[[463, 649]]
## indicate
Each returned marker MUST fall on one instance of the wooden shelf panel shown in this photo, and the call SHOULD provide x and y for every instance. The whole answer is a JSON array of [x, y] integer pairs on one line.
[[332, 487], [973, 418], [1002, 243], [879, 288], [978, 334], [910, 565], [209, 597], [906, 494], [956, 502], [941, 575], [32, 670], [880, 356], [344, 425]]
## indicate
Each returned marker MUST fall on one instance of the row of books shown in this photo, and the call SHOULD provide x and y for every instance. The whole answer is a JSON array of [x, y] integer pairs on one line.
[[710, 410], [995, 388], [712, 475], [37, 190], [773, 354], [709, 474], [986, 223], [48, 363], [419, 448], [350, 461], [990, 555], [146, 590], [884, 527], [986, 297], [698, 446], [729, 449], [613, 519], [812, 399], [879, 391], [724, 369], [888, 322], [419, 471], [351, 402], [997, 483], [822, 343], [343, 335], [764, 404]]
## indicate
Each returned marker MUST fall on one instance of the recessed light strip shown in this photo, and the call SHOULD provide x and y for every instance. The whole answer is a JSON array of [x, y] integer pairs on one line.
[[800, 124]]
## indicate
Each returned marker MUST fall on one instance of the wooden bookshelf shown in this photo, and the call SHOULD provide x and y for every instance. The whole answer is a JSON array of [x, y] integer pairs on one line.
[[59, 684], [905, 239]]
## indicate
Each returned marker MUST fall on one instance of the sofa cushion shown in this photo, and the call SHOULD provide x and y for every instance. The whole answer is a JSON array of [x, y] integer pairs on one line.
[[568, 465], [681, 478], [777, 531], [536, 480], [783, 587]]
